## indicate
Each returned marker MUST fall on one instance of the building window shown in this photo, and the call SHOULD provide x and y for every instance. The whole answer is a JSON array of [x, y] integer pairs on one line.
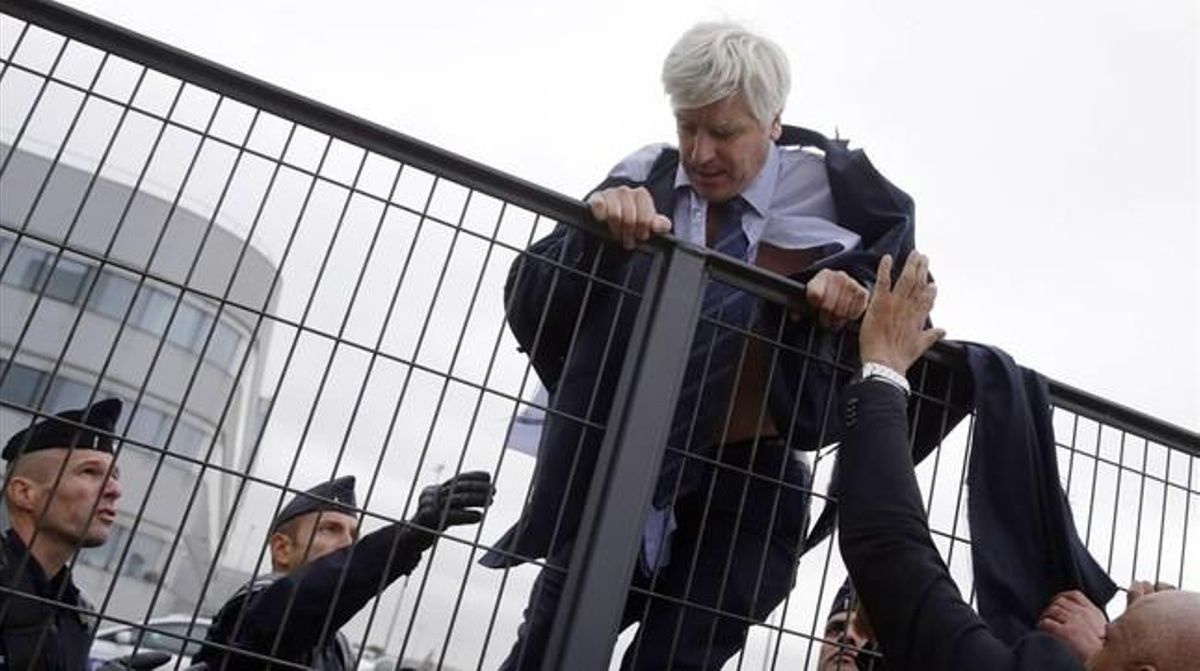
[[224, 346], [189, 328], [30, 269], [23, 385], [68, 279], [25, 268], [188, 440], [152, 310], [67, 394], [112, 295]]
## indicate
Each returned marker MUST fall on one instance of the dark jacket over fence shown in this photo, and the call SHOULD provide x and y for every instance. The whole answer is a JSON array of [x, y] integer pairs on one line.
[[918, 614], [571, 302]]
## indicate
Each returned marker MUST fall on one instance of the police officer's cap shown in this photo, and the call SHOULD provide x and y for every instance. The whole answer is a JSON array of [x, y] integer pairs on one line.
[[53, 432], [843, 601], [336, 495]]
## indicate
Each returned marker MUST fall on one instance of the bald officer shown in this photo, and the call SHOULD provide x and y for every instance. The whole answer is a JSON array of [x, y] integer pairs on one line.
[[61, 496], [323, 575]]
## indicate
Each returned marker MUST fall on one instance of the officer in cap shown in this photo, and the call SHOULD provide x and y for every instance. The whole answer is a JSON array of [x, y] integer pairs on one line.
[[323, 575], [61, 495], [849, 641]]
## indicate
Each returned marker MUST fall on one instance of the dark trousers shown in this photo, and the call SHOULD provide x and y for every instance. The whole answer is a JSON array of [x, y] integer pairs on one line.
[[734, 551]]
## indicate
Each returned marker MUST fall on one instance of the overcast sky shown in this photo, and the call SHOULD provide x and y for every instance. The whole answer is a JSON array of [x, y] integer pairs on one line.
[[1051, 147]]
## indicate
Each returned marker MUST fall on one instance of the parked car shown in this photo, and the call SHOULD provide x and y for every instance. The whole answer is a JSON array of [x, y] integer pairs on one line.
[[160, 633]]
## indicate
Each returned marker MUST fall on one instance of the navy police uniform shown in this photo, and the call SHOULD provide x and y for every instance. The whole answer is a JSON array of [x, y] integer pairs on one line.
[[52, 631], [296, 617]]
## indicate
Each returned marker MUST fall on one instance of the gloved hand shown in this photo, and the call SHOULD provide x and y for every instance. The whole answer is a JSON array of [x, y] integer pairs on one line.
[[446, 505], [139, 661]]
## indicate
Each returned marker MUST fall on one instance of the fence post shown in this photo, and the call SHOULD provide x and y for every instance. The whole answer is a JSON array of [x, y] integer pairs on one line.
[[610, 532]]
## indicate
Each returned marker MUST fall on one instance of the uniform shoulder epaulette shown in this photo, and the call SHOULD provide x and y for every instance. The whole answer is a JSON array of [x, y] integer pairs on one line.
[[257, 585]]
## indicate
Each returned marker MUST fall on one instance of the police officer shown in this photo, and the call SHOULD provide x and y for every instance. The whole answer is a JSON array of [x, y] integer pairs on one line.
[[61, 495], [322, 576], [849, 643]]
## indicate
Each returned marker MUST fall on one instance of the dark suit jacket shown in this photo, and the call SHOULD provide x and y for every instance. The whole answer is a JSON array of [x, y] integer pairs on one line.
[[571, 301], [919, 616], [1025, 548]]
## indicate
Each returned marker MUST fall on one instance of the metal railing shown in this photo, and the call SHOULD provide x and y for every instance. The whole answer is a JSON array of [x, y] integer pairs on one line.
[[282, 293]]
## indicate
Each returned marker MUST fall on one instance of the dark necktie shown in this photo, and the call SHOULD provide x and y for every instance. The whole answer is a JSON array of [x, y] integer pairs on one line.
[[704, 396]]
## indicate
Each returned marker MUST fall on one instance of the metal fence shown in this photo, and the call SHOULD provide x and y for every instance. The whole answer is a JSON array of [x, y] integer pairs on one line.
[[282, 293]]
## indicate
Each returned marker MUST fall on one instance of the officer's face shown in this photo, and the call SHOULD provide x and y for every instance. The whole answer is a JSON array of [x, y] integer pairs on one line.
[[722, 146], [844, 628], [89, 482], [320, 533]]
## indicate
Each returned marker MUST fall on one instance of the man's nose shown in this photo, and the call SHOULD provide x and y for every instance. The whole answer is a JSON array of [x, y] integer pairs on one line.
[[112, 489], [702, 148]]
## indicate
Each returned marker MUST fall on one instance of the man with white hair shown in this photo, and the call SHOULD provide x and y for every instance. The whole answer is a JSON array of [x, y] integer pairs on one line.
[[724, 534]]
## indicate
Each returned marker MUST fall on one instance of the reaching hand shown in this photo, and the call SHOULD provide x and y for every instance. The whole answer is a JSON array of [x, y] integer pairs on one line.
[[1140, 588], [446, 505], [893, 331], [1075, 621]]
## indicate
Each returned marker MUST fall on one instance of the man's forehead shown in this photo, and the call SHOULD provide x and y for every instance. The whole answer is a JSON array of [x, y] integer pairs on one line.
[[730, 109], [78, 456], [319, 516], [838, 617]]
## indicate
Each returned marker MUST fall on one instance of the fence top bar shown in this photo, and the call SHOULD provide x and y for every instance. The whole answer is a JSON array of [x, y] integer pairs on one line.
[[1095, 407], [398, 146]]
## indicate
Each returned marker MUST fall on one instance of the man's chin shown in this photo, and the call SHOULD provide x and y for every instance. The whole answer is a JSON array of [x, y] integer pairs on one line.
[[95, 538], [839, 663]]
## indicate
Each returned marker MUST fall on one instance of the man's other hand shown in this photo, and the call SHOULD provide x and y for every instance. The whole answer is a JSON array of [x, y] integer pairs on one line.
[[628, 213], [893, 331], [1075, 621], [1140, 588], [450, 503], [837, 298]]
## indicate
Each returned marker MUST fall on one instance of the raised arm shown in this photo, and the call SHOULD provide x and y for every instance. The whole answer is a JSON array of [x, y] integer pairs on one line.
[[321, 596], [918, 613]]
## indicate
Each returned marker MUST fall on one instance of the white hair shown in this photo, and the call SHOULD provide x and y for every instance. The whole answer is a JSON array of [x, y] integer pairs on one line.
[[712, 61]]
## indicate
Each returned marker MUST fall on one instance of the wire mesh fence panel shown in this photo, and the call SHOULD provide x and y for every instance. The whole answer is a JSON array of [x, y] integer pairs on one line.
[[282, 295]]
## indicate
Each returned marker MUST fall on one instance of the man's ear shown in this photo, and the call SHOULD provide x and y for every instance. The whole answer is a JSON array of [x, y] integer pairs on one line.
[[776, 127], [22, 492], [281, 551]]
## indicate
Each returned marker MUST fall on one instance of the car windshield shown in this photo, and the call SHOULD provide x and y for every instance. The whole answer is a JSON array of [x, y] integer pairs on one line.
[[170, 637]]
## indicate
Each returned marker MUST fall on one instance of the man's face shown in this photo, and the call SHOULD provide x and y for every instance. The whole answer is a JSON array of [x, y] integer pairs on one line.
[[722, 146], [329, 530], [1156, 631], [845, 628], [86, 483]]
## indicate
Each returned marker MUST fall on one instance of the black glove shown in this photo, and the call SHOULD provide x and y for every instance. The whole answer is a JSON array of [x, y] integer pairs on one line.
[[446, 505], [140, 661]]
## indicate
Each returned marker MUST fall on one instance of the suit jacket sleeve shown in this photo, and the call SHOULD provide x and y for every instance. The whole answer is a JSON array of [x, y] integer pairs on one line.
[[918, 613], [321, 596]]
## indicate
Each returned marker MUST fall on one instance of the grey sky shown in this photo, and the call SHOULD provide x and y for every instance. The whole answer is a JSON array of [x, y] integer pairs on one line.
[[1051, 149]]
